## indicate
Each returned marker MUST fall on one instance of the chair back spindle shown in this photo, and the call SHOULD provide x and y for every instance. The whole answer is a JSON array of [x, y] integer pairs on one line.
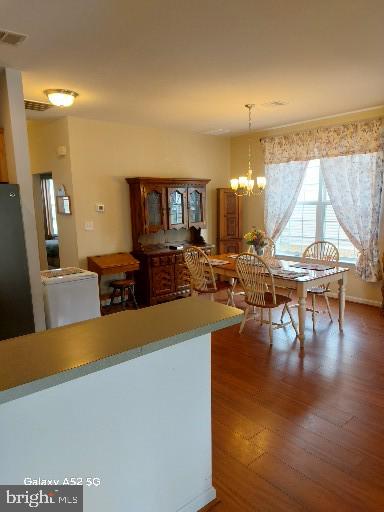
[[321, 251], [200, 269], [324, 252], [253, 274], [269, 249]]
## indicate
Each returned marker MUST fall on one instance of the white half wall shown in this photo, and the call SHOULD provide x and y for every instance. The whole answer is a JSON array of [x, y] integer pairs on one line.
[[143, 427]]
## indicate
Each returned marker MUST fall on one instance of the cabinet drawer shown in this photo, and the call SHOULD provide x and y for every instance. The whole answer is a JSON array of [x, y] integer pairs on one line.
[[160, 261], [163, 280], [182, 276]]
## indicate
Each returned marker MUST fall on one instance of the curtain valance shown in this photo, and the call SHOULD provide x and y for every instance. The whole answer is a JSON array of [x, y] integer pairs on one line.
[[347, 139]]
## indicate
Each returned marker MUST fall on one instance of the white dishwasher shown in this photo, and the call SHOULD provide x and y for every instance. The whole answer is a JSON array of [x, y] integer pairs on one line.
[[70, 295]]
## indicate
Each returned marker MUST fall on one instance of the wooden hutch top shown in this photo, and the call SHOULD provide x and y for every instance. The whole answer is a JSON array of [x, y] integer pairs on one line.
[[166, 203], [169, 181]]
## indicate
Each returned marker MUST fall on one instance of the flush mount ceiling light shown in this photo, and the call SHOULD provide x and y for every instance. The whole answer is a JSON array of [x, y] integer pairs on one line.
[[244, 185], [61, 97]]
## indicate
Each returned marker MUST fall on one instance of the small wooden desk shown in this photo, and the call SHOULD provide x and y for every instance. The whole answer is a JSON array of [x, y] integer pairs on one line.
[[300, 284], [116, 263]]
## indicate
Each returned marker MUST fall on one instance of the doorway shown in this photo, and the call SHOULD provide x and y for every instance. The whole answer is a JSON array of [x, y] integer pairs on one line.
[[50, 220]]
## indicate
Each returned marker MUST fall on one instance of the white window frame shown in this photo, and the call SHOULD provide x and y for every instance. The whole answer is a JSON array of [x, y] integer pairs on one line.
[[321, 205]]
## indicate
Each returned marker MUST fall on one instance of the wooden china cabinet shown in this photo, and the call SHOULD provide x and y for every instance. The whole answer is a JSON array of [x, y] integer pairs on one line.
[[164, 204], [229, 221]]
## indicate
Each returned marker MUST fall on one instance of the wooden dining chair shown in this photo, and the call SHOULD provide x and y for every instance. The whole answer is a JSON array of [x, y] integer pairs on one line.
[[322, 252], [319, 252], [258, 284], [269, 254], [202, 276]]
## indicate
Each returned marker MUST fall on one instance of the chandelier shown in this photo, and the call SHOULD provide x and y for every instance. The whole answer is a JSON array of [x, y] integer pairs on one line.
[[245, 185]]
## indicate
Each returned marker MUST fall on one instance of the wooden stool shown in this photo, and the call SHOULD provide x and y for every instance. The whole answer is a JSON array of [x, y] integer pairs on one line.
[[119, 288]]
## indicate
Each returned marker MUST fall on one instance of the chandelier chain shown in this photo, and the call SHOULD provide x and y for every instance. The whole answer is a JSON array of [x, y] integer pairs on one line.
[[245, 185], [249, 135]]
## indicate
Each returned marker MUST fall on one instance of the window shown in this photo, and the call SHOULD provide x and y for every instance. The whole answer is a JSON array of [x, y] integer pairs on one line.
[[313, 218], [49, 207]]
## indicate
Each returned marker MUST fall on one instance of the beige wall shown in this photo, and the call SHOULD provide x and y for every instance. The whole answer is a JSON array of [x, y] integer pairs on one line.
[[44, 138], [103, 154], [254, 207]]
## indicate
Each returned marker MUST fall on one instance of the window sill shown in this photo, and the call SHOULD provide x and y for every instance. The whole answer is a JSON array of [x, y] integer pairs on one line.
[[297, 258]]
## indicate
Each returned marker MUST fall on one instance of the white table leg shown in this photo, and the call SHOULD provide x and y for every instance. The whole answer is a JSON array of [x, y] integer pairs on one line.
[[302, 295], [342, 301]]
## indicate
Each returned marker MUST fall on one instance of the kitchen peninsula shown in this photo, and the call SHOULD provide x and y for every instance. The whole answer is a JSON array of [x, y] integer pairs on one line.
[[125, 398]]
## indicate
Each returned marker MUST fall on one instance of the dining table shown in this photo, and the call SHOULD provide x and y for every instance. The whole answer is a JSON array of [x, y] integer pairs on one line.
[[294, 276]]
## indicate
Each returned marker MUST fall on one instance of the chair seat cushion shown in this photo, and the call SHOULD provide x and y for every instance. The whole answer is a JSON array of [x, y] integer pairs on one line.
[[268, 299], [122, 283]]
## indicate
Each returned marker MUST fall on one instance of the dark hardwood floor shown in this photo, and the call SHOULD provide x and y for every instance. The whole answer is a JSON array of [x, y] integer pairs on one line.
[[299, 431]]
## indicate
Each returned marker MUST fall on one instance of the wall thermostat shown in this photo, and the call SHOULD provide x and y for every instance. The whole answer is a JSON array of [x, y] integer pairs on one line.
[[100, 207]]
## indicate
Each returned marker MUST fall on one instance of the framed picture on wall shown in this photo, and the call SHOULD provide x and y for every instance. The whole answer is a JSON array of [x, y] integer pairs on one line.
[[64, 205]]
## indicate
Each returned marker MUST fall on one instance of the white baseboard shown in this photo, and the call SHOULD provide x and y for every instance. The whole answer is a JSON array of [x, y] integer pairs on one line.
[[200, 501], [359, 300]]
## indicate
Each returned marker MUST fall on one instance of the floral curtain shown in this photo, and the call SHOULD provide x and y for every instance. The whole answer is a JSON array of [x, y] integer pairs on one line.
[[354, 184], [284, 182], [347, 139], [352, 163]]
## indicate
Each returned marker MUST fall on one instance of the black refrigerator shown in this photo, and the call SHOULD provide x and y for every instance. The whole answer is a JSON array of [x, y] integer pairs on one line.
[[16, 313]]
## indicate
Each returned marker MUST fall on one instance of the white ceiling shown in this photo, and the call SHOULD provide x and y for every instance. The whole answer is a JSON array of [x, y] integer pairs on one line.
[[192, 64]]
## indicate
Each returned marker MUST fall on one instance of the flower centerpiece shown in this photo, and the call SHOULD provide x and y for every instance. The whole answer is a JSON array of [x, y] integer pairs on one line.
[[256, 239]]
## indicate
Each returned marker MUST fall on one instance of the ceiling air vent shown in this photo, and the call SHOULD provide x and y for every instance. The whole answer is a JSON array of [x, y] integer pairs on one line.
[[6, 36], [39, 106], [275, 103]]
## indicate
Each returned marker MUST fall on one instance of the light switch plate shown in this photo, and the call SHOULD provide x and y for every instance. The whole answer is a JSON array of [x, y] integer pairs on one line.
[[61, 150], [89, 226], [100, 208]]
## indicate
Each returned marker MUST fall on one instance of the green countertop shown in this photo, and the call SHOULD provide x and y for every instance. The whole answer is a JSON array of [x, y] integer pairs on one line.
[[38, 361]]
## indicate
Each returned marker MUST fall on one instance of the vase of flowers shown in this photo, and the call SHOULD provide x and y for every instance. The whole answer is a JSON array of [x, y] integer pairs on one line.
[[256, 240]]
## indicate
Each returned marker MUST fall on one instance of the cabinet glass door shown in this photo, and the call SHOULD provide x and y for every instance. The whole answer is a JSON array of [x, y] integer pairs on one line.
[[154, 209], [177, 204], [196, 206]]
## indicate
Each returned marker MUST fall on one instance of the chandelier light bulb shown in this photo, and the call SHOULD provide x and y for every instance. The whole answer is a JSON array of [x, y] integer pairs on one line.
[[261, 182]]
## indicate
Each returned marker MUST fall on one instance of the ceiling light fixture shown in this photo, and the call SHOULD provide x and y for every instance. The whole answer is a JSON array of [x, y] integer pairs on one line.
[[61, 97], [245, 185]]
